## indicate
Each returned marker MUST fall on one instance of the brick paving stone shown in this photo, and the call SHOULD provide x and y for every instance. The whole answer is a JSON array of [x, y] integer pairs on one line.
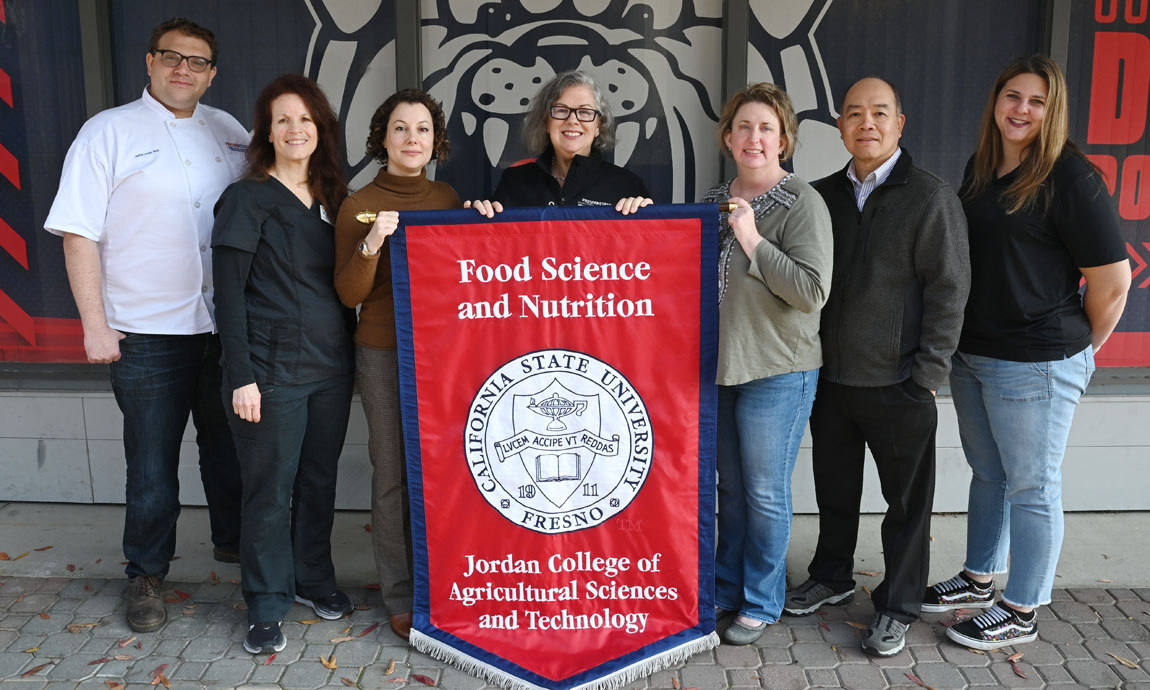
[[823, 678], [11, 662], [701, 659], [206, 648], [729, 656], [1090, 595], [356, 652], [188, 670], [35, 683], [1059, 633], [99, 606], [227, 672], [775, 655], [705, 677], [267, 674], [14, 621], [112, 626], [789, 677], [1073, 651], [1055, 674], [1006, 676], [939, 675], [961, 656], [901, 660], [33, 603], [861, 677], [1135, 609], [736, 678], [1093, 673], [304, 675], [776, 636], [1143, 593], [1060, 595], [61, 644], [979, 676], [183, 627], [1074, 612], [808, 634], [1041, 653], [458, 680], [6, 638], [173, 647], [814, 655], [1131, 631], [1092, 631], [1069, 686], [923, 654], [74, 668], [1129, 675], [374, 676], [46, 626], [6, 601]]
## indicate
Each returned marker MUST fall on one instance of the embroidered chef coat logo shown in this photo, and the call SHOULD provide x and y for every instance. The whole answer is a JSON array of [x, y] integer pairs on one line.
[[558, 441]]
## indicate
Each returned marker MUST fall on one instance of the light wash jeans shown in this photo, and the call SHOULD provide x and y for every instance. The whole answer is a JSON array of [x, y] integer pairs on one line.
[[760, 423], [1014, 419]]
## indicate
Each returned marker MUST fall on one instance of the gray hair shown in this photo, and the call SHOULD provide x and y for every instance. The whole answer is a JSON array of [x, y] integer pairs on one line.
[[535, 120]]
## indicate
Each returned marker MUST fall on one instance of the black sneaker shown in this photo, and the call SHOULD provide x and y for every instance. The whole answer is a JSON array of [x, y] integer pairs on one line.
[[332, 607], [264, 638], [226, 553], [959, 592], [811, 595], [1001, 626]]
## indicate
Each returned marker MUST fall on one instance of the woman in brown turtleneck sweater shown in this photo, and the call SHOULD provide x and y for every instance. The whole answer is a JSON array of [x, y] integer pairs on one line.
[[407, 131]]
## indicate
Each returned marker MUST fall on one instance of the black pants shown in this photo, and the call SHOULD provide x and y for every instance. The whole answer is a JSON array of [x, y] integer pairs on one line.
[[898, 423], [289, 461]]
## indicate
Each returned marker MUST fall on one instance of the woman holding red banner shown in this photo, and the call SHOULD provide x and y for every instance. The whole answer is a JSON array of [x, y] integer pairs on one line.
[[568, 126], [287, 354], [775, 257], [407, 132], [1040, 220]]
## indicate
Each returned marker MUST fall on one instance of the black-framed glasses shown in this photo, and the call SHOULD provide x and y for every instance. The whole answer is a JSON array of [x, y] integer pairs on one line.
[[562, 112], [170, 58]]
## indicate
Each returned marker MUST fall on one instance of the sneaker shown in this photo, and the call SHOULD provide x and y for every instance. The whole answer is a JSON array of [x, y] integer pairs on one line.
[[811, 595], [146, 610], [265, 638], [959, 592], [227, 553], [332, 607], [739, 633], [1001, 626], [885, 636]]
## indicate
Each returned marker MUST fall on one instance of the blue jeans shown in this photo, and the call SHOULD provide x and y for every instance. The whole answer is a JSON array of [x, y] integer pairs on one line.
[[1014, 419], [761, 423], [157, 381]]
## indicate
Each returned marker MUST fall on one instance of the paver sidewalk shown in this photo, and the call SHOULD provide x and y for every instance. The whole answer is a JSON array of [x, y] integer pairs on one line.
[[1081, 636]]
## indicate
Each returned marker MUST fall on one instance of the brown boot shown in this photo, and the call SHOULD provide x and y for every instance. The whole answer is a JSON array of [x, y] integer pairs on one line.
[[146, 610], [401, 624]]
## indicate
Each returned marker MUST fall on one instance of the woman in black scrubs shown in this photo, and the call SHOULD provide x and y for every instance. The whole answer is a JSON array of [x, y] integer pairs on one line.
[[287, 353]]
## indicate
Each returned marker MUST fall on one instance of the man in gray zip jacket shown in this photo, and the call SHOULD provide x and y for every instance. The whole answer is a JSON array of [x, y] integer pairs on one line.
[[898, 289]]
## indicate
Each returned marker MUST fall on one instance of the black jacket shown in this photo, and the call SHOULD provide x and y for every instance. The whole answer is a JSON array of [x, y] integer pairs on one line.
[[900, 280], [591, 181]]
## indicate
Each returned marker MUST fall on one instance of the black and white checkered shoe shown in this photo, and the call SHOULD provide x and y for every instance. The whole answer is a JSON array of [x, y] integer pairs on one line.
[[959, 592]]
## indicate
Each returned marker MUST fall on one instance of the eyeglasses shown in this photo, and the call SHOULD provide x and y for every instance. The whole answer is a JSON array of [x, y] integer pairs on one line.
[[562, 112], [170, 58]]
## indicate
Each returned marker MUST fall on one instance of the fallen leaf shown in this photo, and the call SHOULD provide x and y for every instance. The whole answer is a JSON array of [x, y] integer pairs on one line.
[[127, 642], [19, 599], [1124, 661], [422, 679], [240, 606], [99, 560], [917, 681], [367, 527], [310, 621], [182, 595], [1017, 669], [364, 607], [1105, 557], [123, 657], [866, 589], [87, 588], [976, 651], [368, 629], [1014, 657], [868, 573], [4, 556], [140, 645], [390, 667], [161, 679], [213, 577], [158, 670], [234, 582], [36, 669], [345, 630], [42, 548], [123, 563], [824, 626], [77, 627], [44, 616], [374, 587], [329, 662], [932, 537], [675, 683], [271, 658], [175, 558], [171, 600], [857, 626], [1106, 580], [114, 685], [21, 555], [345, 638], [30, 650], [396, 680], [71, 567], [348, 682]]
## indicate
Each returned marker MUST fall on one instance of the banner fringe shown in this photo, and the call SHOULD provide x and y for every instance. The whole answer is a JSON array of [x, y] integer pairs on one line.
[[612, 681]]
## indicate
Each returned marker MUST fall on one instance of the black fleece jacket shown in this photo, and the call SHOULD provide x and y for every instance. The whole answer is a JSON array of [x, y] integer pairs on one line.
[[900, 280], [591, 181]]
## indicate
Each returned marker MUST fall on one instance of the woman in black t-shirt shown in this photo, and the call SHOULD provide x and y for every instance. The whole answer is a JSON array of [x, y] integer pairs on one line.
[[287, 354], [1040, 220]]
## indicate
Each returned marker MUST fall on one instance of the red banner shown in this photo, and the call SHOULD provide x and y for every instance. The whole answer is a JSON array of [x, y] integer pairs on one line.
[[557, 369]]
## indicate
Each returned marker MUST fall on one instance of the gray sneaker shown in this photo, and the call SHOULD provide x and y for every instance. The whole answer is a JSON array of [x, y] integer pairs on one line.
[[811, 595], [885, 636]]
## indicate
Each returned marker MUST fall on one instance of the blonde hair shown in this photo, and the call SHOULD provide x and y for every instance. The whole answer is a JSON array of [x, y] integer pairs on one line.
[[1041, 155], [767, 94]]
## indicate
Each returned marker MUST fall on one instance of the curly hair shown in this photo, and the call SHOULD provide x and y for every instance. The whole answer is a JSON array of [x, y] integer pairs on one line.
[[325, 168], [770, 95], [188, 28], [538, 115], [377, 133]]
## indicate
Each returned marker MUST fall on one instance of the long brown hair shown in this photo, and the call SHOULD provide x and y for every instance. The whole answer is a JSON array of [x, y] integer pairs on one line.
[[1041, 155], [325, 169]]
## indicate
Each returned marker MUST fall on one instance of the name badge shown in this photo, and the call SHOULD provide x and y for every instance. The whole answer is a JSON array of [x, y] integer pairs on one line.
[[323, 215]]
